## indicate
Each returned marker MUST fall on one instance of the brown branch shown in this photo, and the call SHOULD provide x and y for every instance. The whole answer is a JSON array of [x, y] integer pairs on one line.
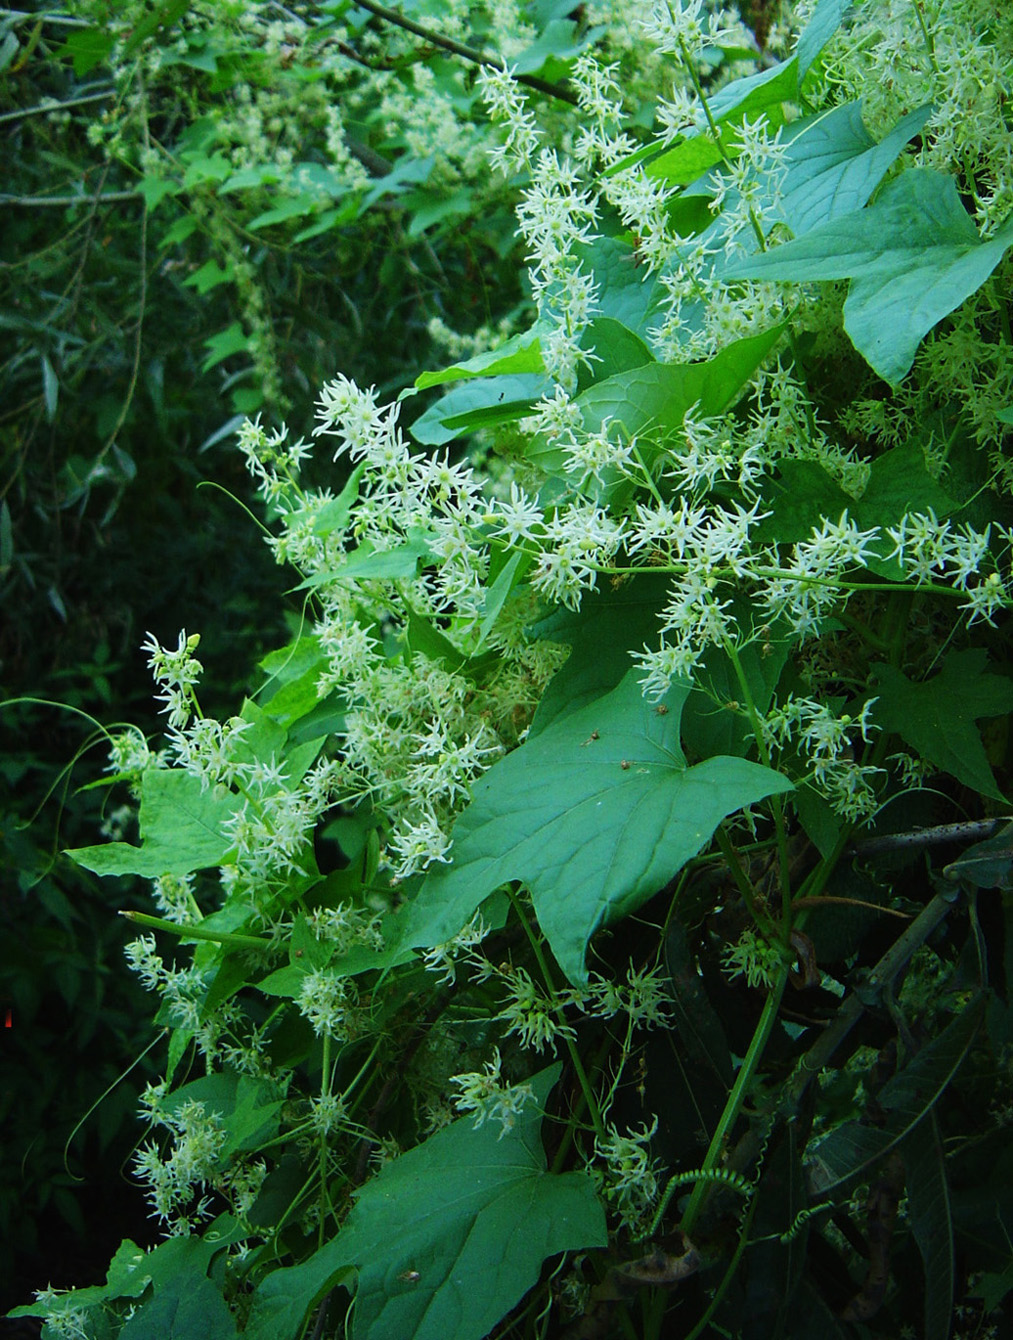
[[490, 59]]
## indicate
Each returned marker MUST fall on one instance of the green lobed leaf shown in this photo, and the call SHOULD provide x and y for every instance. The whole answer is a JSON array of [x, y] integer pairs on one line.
[[187, 1307], [912, 257], [988, 864], [159, 20], [714, 721], [226, 343], [756, 93], [687, 160], [132, 1270], [181, 830], [610, 624], [450, 1236], [800, 496], [280, 1304], [615, 348], [899, 482], [626, 291], [209, 276], [370, 564], [87, 47], [249, 1108], [594, 815], [559, 40], [834, 165], [937, 718], [803, 494], [290, 690], [295, 207]]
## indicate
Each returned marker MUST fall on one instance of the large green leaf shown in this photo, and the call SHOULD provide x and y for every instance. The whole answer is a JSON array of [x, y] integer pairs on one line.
[[181, 830], [626, 292], [899, 482], [450, 1236], [367, 563], [658, 395], [175, 1269], [475, 404], [834, 165], [826, 19], [616, 349], [912, 257], [610, 624], [804, 494], [756, 93], [522, 353], [594, 814], [801, 495], [279, 1306], [187, 1307], [937, 717]]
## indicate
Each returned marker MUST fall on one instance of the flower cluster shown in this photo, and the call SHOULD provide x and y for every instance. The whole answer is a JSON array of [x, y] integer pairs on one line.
[[824, 740], [754, 958], [484, 1093], [629, 1176], [198, 1140]]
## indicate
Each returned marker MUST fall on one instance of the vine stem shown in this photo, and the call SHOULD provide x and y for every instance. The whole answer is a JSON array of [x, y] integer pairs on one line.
[[732, 1108], [571, 1046], [729, 1274], [775, 801], [197, 932], [325, 1089], [436, 39], [741, 879]]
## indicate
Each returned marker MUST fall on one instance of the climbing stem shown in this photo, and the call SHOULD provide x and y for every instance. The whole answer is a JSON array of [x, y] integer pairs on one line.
[[777, 808], [571, 1046], [733, 1106]]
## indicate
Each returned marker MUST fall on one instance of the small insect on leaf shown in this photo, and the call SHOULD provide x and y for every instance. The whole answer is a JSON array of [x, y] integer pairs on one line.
[[409, 1276], [592, 736], [625, 764]]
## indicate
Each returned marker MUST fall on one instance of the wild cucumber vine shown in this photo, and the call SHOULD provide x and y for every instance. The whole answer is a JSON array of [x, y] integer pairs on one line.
[[598, 684]]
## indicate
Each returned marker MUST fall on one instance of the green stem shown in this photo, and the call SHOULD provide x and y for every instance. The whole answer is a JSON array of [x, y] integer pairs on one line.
[[65, 201], [325, 1088], [777, 808], [578, 1108], [930, 45], [571, 1046], [648, 477], [198, 932], [728, 574], [732, 1108], [731, 856], [40, 108], [729, 1274]]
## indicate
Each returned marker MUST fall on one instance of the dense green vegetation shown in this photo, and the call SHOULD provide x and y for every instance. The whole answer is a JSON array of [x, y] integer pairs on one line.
[[573, 864]]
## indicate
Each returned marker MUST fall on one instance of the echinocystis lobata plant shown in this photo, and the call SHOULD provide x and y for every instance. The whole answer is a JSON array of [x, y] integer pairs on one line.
[[513, 939]]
